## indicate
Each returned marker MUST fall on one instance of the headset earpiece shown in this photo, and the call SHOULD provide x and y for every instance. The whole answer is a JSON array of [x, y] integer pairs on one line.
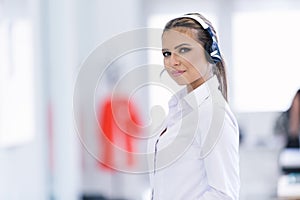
[[211, 47], [207, 47]]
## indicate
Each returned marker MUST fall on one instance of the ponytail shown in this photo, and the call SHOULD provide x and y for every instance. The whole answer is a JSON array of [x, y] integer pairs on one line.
[[220, 72]]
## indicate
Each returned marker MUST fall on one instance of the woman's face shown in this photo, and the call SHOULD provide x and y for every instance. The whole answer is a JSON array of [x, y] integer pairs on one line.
[[184, 58]]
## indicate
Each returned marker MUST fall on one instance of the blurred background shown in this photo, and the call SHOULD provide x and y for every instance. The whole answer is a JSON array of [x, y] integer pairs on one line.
[[46, 154]]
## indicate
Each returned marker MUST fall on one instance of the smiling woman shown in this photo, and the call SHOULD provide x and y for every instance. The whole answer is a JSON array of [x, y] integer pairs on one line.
[[196, 151], [185, 62]]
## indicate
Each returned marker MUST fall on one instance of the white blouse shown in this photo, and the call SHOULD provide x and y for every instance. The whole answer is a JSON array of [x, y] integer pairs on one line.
[[197, 155]]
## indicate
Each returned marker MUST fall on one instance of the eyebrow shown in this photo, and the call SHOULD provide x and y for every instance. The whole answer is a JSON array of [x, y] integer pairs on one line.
[[178, 46], [183, 44]]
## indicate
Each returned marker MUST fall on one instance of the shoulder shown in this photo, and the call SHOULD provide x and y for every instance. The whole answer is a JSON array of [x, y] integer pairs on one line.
[[216, 120]]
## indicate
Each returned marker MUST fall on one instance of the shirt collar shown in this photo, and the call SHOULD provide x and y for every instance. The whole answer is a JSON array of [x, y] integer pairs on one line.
[[198, 95]]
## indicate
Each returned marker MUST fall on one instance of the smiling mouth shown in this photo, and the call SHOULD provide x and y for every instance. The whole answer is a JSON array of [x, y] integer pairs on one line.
[[176, 73]]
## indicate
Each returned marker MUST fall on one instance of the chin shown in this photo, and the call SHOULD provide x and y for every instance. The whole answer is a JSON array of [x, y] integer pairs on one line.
[[181, 83]]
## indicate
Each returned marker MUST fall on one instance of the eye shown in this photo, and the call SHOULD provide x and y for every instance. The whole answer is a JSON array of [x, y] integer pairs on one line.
[[166, 53], [184, 50]]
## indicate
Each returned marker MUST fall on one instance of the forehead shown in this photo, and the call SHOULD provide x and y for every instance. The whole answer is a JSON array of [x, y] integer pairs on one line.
[[173, 37]]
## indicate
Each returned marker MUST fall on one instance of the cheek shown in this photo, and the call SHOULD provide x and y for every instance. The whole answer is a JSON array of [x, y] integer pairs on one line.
[[197, 65], [193, 61], [166, 62]]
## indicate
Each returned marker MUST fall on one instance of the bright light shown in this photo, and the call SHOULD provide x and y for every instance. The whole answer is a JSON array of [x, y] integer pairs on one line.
[[16, 83], [265, 53]]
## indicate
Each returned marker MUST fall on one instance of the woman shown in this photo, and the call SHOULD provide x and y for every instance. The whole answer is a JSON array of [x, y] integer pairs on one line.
[[196, 152], [294, 122]]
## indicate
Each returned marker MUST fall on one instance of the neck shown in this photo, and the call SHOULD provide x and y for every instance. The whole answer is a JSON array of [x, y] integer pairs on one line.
[[197, 83], [206, 76]]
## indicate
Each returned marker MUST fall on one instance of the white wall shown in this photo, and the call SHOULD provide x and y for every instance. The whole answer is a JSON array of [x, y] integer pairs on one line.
[[64, 34], [75, 29], [23, 168], [98, 23]]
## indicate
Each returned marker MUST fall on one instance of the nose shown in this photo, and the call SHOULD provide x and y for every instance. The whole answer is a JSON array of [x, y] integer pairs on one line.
[[174, 60]]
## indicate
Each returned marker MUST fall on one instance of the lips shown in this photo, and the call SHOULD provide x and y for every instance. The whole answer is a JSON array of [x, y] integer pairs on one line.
[[176, 73]]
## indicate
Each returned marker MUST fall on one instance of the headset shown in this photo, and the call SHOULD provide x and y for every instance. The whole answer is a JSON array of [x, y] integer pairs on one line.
[[212, 48]]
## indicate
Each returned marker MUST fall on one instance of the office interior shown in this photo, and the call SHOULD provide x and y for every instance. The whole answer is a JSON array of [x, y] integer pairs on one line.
[[48, 136]]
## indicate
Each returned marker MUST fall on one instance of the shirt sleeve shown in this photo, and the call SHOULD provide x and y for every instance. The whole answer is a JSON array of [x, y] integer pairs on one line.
[[213, 194], [222, 165]]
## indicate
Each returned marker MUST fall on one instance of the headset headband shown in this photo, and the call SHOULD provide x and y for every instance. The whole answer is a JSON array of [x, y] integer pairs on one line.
[[213, 50], [196, 18]]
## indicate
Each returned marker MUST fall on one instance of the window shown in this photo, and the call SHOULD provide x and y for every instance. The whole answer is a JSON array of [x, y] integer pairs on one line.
[[16, 82], [265, 52]]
